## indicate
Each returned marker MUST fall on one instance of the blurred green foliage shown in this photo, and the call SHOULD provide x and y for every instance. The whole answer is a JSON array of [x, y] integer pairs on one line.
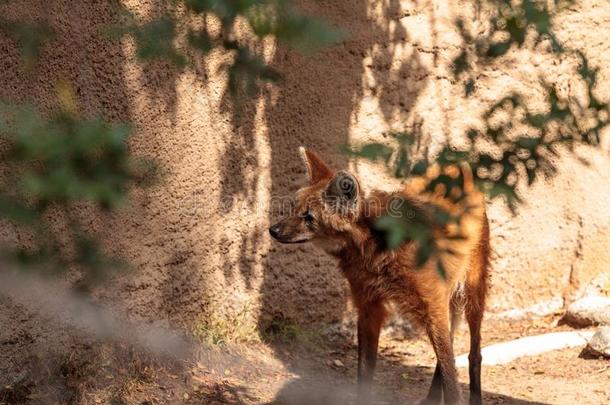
[[183, 32], [29, 36], [54, 165], [51, 166], [515, 145]]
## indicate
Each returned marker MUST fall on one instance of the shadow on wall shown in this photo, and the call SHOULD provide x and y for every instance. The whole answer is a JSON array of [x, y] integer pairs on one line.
[[314, 106], [317, 103], [317, 99], [82, 54]]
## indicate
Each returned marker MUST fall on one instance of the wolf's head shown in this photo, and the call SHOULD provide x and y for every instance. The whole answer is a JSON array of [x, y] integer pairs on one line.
[[324, 209]]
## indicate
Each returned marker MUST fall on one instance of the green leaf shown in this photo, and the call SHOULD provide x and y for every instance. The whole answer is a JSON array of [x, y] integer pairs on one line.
[[424, 252], [440, 269], [17, 211], [537, 120], [460, 64], [371, 151], [537, 15], [528, 142], [516, 29], [246, 71], [394, 230], [498, 49], [29, 35], [200, 40], [304, 33], [403, 164], [155, 40], [420, 168], [405, 138]]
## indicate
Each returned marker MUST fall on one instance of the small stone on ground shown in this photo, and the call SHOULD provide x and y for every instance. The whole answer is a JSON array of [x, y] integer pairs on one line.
[[599, 345], [588, 311]]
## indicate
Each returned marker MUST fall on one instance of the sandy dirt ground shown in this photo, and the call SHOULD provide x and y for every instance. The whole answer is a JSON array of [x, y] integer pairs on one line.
[[44, 363]]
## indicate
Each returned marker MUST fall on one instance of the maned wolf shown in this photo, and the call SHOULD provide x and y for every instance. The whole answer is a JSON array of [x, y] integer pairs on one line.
[[334, 212]]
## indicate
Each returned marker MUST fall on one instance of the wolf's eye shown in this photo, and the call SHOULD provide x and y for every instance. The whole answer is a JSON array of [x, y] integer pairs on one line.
[[307, 217]]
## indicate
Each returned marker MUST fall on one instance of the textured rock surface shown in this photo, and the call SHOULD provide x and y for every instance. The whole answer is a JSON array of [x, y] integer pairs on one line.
[[599, 345], [198, 240], [592, 310]]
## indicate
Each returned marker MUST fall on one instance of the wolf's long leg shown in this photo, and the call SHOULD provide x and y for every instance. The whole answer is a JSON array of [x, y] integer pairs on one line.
[[370, 318], [476, 292], [474, 315], [435, 394], [438, 329], [474, 357]]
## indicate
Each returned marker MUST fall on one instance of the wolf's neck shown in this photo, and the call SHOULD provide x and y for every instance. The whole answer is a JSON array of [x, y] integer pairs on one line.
[[360, 244]]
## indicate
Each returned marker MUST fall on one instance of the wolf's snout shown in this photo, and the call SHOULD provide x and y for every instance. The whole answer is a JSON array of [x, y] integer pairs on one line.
[[275, 231]]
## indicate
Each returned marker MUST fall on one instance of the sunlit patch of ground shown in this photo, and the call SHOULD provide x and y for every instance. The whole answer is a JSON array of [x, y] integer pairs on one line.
[[312, 370]]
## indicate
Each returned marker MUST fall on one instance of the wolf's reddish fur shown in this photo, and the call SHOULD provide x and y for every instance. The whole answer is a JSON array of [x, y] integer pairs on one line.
[[341, 222]]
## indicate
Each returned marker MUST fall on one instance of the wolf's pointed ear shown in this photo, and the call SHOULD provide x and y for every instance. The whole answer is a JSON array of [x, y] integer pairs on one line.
[[343, 186], [342, 193], [316, 169]]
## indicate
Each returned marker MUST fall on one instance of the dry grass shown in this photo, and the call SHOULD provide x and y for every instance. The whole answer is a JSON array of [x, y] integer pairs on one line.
[[287, 331], [218, 330], [88, 374]]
